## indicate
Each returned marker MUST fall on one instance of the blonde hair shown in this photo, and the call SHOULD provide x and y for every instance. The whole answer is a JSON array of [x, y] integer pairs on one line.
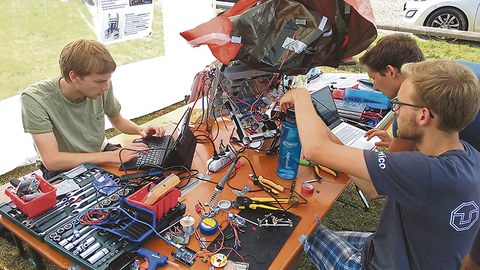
[[85, 57], [446, 87]]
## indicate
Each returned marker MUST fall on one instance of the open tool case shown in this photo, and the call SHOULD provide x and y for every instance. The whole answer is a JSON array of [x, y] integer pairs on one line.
[[92, 247], [66, 206]]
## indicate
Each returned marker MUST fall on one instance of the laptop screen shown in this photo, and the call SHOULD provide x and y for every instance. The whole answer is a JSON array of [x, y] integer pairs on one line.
[[183, 124], [325, 107]]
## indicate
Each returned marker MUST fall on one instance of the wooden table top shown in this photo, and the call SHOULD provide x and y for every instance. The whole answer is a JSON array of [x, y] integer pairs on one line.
[[319, 203]]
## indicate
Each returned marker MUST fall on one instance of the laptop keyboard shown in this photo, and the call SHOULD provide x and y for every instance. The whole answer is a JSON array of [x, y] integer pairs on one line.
[[348, 134], [159, 147]]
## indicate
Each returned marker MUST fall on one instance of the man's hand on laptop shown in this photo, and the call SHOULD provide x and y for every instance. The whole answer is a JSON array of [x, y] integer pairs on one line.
[[129, 152], [152, 130], [385, 138]]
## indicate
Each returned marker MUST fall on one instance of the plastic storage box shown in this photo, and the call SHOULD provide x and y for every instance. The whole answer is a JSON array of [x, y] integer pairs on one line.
[[38, 205], [162, 206]]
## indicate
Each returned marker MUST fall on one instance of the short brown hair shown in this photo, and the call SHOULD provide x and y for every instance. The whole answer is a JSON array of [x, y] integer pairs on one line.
[[395, 50], [446, 87], [85, 57]]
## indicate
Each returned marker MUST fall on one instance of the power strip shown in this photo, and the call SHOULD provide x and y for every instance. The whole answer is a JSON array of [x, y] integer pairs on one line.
[[223, 159]]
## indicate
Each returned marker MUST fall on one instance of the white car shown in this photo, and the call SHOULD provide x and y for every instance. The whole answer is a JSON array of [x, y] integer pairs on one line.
[[450, 14], [225, 4]]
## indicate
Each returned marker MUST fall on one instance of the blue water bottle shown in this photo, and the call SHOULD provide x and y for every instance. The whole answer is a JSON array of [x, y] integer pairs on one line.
[[290, 147]]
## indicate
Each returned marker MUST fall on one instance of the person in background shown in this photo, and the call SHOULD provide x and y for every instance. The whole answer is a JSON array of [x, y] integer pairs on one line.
[[65, 114], [430, 193], [383, 63]]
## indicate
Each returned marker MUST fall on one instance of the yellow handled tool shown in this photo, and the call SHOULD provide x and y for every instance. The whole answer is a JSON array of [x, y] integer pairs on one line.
[[270, 183]]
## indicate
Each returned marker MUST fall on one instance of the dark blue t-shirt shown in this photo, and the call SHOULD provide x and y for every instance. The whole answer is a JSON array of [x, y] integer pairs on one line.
[[431, 213]]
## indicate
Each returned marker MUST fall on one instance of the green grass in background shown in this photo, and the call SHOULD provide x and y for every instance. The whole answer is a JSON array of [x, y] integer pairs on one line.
[[33, 32]]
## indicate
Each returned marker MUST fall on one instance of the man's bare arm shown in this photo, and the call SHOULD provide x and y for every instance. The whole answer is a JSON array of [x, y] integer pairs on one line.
[[319, 147], [469, 264], [128, 127], [54, 160]]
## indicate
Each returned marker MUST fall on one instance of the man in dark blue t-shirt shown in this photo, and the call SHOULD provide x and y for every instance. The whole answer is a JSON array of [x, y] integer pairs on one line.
[[431, 213]]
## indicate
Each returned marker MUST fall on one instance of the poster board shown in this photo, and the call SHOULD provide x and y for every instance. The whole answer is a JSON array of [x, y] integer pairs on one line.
[[121, 20]]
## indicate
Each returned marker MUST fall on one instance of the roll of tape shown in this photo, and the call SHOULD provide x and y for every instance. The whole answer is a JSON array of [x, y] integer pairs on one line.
[[307, 188], [208, 226], [224, 204], [188, 223], [218, 260]]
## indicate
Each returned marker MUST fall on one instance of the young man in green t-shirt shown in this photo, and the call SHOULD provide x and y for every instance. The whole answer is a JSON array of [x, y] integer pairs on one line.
[[65, 114]]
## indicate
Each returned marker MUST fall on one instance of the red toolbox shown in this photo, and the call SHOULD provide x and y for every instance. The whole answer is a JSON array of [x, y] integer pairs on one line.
[[38, 205]]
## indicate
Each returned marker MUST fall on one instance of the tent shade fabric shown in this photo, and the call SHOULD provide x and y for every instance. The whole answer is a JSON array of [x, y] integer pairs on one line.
[[288, 36]]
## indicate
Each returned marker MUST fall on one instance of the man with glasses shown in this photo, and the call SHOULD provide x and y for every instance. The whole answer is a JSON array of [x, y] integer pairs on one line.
[[431, 212]]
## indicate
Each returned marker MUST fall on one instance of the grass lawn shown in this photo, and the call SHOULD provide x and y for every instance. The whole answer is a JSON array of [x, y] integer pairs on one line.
[[34, 32]]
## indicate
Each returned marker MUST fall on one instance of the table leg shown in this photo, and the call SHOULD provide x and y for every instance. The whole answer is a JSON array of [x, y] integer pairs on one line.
[[19, 245], [35, 258]]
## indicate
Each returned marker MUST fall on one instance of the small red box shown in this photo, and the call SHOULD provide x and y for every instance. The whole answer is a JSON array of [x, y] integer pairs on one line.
[[162, 206], [38, 205]]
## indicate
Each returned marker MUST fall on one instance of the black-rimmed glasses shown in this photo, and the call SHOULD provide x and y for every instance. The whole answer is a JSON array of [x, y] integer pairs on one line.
[[396, 105]]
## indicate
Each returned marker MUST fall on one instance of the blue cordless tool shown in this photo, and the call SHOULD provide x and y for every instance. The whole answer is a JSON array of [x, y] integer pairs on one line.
[[153, 259]]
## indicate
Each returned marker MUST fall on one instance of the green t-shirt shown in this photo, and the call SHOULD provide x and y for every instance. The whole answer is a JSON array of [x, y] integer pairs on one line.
[[78, 127]]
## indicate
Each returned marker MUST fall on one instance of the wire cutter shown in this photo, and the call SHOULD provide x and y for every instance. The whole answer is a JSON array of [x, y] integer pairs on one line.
[[254, 203], [269, 185], [317, 168]]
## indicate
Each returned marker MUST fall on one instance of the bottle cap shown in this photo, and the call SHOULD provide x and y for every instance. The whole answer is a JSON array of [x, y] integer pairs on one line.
[[290, 116]]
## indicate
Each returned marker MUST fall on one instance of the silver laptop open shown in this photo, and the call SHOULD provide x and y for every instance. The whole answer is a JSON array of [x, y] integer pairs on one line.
[[347, 133]]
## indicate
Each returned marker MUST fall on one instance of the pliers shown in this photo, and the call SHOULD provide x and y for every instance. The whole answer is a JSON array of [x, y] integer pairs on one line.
[[269, 185], [243, 202], [317, 168]]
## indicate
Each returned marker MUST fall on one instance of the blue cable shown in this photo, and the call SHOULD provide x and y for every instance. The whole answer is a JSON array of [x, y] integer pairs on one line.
[[75, 230]]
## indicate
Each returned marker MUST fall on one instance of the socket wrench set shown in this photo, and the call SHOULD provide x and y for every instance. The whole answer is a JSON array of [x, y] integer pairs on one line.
[[98, 247], [68, 205], [93, 246]]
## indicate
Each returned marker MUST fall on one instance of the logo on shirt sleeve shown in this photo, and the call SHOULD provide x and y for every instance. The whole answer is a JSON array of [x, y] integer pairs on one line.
[[381, 160], [464, 216]]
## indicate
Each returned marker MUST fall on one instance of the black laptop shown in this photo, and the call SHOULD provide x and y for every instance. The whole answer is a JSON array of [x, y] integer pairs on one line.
[[175, 150]]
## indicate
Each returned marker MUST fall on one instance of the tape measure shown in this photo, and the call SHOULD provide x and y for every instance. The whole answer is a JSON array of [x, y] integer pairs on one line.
[[208, 226]]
